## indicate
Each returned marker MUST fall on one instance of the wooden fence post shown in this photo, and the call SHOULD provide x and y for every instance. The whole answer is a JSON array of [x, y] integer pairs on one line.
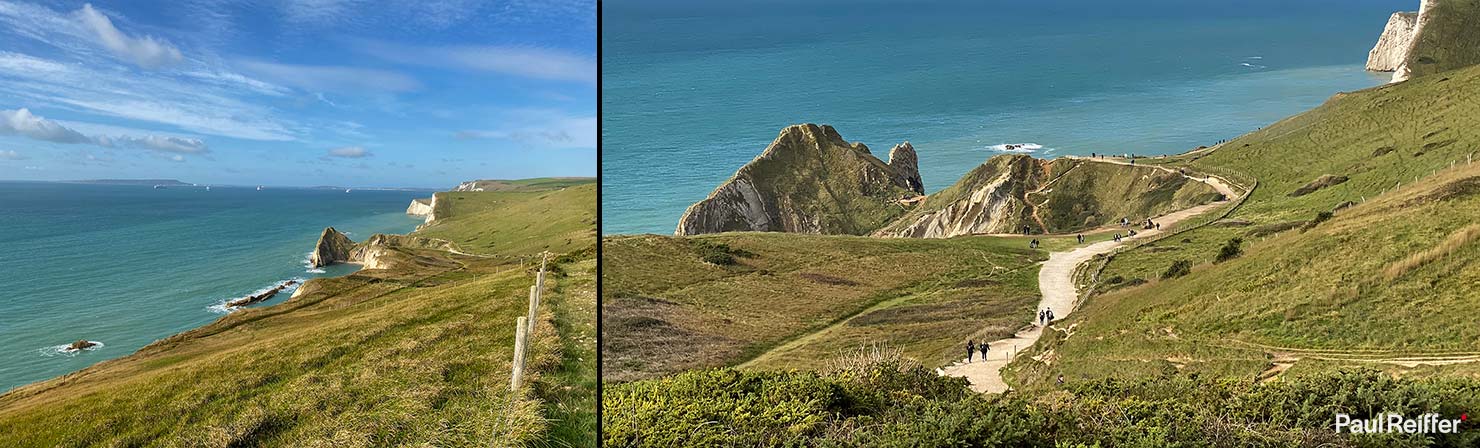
[[519, 339], [534, 307]]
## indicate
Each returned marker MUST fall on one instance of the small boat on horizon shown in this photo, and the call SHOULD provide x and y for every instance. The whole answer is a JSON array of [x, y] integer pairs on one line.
[[259, 188], [346, 190]]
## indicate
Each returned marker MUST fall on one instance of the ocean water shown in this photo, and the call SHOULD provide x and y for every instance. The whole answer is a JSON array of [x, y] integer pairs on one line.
[[691, 91], [128, 265]]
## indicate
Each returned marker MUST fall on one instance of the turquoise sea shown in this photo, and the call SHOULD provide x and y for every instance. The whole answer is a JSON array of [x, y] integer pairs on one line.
[[693, 90], [128, 265]]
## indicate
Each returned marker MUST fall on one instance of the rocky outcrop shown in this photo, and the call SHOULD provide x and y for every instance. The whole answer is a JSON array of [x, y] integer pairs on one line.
[[256, 298], [989, 199], [80, 345], [905, 162], [1326, 180], [423, 207], [1012, 193], [472, 185], [333, 247], [1392, 47], [376, 252], [809, 180]]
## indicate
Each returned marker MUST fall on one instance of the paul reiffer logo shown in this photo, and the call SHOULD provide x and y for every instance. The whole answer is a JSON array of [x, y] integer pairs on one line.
[[1398, 423]]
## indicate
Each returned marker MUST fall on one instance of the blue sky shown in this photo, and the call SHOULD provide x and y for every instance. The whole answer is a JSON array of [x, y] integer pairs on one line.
[[419, 93]]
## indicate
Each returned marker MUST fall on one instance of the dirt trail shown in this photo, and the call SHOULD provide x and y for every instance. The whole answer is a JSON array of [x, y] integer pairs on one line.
[[1056, 283]]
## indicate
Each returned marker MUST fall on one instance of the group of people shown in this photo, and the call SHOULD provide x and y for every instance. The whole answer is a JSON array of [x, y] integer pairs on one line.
[[971, 349], [1045, 316], [1151, 225]]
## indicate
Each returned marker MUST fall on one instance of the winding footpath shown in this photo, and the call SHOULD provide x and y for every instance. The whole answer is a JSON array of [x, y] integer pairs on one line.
[[1056, 283]]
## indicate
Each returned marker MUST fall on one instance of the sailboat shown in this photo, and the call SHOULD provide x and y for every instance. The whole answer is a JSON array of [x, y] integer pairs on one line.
[[346, 190], [208, 188], [259, 188]]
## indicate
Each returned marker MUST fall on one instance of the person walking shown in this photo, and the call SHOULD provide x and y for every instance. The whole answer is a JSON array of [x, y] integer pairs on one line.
[[983, 348], [970, 349], [1081, 238], [1158, 226]]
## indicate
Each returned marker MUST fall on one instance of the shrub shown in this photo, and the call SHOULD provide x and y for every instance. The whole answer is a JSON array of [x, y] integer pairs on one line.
[[1179, 268], [1230, 250], [1320, 218], [718, 253]]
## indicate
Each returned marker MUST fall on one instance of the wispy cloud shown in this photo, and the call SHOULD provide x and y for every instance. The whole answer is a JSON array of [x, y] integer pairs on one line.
[[12, 155], [521, 61], [332, 78], [349, 152], [557, 133], [145, 51], [21, 122]]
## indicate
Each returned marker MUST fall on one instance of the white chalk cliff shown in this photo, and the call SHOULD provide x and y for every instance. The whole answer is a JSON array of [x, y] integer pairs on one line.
[[1398, 39], [423, 207], [1392, 48]]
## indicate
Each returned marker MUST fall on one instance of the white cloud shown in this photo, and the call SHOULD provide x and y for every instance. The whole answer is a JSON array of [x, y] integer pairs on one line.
[[21, 122], [12, 155], [522, 61], [557, 133], [349, 152], [145, 51], [332, 78]]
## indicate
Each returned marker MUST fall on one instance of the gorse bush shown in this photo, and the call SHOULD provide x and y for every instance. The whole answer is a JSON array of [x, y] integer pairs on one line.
[[893, 402], [718, 253], [1230, 250], [1179, 268]]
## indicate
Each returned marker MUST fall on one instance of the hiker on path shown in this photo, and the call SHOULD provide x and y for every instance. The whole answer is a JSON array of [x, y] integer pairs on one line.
[[1050, 315], [1158, 226], [983, 347], [1081, 238], [970, 349]]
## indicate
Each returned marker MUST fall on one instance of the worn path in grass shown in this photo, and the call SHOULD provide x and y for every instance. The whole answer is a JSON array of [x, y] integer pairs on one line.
[[1056, 282]]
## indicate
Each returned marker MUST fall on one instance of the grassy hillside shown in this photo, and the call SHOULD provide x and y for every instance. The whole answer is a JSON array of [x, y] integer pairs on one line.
[[676, 303], [516, 222], [1375, 283], [1449, 40], [535, 184], [415, 355]]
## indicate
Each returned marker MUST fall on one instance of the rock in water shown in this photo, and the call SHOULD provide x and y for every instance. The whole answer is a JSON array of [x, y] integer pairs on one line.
[[80, 344], [1392, 48], [904, 161], [809, 180], [333, 247]]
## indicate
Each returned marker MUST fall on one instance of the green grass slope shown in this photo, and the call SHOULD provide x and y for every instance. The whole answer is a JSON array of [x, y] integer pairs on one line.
[[677, 303], [516, 222], [1388, 275], [415, 355], [1450, 40]]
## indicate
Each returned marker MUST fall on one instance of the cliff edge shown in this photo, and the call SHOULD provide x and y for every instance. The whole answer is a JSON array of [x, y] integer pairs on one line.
[[333, 247], [1392, 47], [809, 180]]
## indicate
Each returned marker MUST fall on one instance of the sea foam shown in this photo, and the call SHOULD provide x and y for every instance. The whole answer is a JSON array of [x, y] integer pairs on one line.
[[1016, 147]]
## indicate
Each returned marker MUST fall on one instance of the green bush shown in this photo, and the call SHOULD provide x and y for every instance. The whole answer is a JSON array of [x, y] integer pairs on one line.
[[888, 402], [1179, 268], [718, 253], [1230, 250]]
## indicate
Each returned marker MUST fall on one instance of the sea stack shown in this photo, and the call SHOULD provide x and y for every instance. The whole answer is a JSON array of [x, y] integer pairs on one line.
[[333, 247], [907, 164], [809, 180], [81, 344]]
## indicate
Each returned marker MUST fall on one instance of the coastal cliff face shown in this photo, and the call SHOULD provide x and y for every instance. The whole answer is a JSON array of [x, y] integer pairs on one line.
[[1010, 192], [809, 180], [1445, 38], [1392, 47], [424, 207], [333, 247]]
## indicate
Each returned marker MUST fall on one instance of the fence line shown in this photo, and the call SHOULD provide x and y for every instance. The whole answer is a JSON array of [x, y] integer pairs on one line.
[[525, 325]]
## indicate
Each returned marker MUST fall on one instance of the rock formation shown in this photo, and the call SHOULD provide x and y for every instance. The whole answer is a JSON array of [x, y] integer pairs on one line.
[[255, 298], [1392, 47], [1013, 191], [989, 199], [333, 247], [904, 161], [81, 344], [809, 180]]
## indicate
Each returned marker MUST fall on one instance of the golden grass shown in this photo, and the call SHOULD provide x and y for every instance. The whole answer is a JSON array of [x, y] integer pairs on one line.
[[1453, 243]]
